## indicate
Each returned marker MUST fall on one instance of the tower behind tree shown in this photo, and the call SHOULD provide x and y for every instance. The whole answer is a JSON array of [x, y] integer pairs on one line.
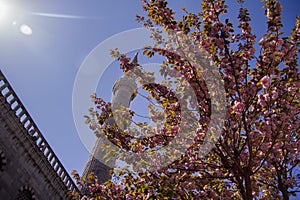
[[123, 93]]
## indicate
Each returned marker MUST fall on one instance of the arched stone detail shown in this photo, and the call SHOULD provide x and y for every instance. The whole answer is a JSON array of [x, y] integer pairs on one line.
[[25, 193], [2, 160]]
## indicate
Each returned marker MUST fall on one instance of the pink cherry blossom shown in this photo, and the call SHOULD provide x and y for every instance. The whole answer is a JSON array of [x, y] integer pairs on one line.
[[258, 151], [265, 81]]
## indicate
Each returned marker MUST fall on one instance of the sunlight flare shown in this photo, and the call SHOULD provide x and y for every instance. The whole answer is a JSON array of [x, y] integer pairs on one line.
[[25, 29], [59, 15]]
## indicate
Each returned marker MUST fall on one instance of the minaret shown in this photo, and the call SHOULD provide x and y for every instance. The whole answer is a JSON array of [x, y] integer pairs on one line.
[[123, 94]]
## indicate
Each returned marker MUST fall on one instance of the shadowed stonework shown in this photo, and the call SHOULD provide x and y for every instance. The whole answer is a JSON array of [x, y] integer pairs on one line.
[[29, 168]]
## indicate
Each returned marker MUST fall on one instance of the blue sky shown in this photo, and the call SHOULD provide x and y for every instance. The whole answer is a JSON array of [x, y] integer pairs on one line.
[[42, 66]]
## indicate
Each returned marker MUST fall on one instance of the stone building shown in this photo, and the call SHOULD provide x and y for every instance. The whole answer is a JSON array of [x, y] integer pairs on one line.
[[29, 168]]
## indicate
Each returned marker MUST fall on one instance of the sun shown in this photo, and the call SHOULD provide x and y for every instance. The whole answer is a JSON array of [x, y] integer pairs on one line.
[[7, 17], [4, 11]]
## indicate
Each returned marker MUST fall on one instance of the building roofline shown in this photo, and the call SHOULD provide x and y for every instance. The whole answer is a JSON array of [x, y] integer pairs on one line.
[[33, 132]]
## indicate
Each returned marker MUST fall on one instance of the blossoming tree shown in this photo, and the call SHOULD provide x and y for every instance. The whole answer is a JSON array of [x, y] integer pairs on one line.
[[256, 156]]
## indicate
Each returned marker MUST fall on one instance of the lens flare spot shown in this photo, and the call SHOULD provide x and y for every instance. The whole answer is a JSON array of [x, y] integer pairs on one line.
[[25, 29]]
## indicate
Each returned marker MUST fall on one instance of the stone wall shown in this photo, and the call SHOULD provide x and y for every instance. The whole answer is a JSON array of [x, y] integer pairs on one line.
[[29, 169]]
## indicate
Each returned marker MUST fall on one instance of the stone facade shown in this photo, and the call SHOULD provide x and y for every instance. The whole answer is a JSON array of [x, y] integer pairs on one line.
[[29, 168]]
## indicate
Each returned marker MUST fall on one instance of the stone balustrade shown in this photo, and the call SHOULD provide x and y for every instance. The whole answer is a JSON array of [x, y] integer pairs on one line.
[[34, 134]]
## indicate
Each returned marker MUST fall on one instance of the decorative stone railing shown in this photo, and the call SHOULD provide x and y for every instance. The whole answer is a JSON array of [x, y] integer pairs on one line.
[[34, 133]]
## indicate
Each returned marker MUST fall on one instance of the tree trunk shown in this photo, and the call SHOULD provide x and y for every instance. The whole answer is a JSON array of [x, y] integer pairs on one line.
[[248, 187]]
